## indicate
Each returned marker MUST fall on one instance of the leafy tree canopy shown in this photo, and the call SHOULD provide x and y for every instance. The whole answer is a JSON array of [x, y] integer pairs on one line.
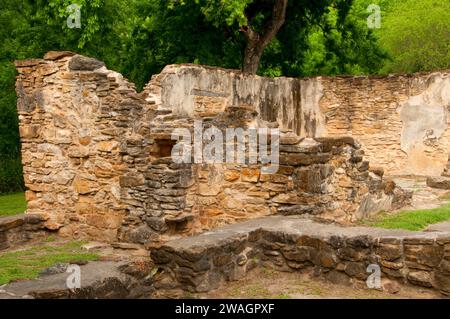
[[416, 33]]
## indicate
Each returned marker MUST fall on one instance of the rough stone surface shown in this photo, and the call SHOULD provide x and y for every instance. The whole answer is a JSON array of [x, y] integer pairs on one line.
[[100, 280], [441, 182], [82, 63], [19, 229], [403, 116], [97, 162], [340, 254]]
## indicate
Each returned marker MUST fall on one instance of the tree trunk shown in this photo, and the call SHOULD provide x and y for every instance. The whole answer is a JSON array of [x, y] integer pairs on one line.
[[257, 42]]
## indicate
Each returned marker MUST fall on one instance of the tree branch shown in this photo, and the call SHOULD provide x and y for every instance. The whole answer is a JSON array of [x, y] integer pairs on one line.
[[258, 41], [271, 29]]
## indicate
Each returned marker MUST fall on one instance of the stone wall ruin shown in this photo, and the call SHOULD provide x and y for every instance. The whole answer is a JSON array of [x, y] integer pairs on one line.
[[401, 121], [96, 152]]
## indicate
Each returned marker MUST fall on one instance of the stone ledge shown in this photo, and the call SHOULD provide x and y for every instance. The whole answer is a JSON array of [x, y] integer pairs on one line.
[[104, 280], [201, 263], [19, 229], [440, 182]]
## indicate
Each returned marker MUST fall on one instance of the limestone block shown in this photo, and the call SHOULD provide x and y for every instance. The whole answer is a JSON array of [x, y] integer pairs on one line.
[[441, 182]]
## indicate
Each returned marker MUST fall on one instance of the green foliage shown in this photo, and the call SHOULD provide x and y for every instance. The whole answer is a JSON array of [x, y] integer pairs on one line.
[[417, 35], [412, 220], [165, 34], [336, 41], [28, 263], [12, 204], [319, 37]]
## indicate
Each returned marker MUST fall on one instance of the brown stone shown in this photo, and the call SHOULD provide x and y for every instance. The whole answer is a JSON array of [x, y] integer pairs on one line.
[[442, 282], [85, 140], [356, 270], [422, 256], [82, 63], [303, 159], [420, 278], [392, 265], [389, 187], [56, 55], [274, 178], [231, 175], [299, 254], [107, 146], [131, 181], [29, 131], [329, 142], [29, 62], [250, 174], [287, 199], [379, 171], [274, 187], [440, 182], [83, 186], [389, 252]]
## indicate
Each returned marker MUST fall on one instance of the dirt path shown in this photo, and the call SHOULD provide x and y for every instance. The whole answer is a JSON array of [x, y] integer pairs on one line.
[[267, 283], [424, 197]]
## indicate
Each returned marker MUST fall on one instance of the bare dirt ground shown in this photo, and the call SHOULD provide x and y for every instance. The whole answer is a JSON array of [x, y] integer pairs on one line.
[[269, 284], [424, 197]]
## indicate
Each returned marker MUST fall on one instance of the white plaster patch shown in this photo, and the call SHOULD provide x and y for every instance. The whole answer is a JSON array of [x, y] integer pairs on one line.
[[424, 118]]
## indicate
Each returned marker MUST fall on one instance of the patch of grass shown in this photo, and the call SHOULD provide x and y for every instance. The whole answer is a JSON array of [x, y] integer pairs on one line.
[[251, 291], [411, 220], [12, 204], [49, 239], [28, 263], [268, 272], [282, 296]]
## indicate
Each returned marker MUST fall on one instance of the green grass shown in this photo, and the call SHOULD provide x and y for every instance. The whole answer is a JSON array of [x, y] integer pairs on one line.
[[12, 204], [28, 263], [411, 220]]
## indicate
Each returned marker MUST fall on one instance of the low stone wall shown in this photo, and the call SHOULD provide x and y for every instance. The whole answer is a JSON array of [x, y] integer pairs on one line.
[[19, 229], [339, 254]]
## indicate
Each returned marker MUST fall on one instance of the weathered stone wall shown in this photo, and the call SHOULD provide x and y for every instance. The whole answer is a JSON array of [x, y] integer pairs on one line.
[[328, 180], [77, 120], [401, 121], [325, 177], [339, 254], [97, 163]]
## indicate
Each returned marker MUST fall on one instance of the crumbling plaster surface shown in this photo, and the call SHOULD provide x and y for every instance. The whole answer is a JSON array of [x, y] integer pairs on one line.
[[400, 120], [425, 118]]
